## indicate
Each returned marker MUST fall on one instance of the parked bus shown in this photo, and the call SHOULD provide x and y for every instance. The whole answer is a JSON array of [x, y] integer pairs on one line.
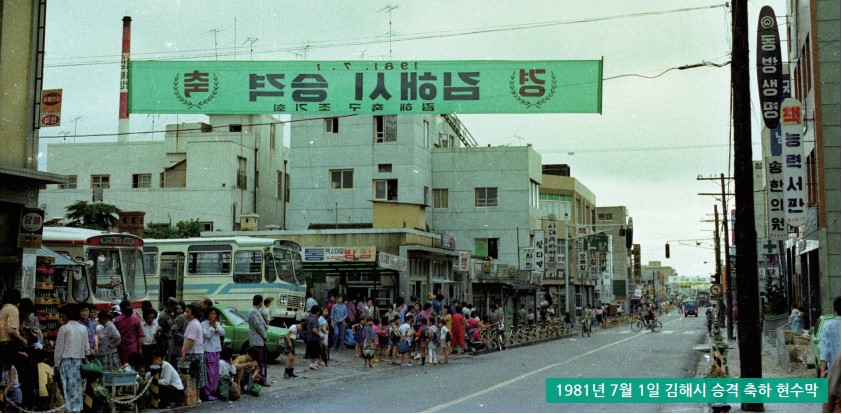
[[228, 270], [111, 263]]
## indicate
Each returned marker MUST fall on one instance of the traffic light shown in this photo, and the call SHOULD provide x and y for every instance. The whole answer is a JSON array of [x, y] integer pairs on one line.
[[715, 279], [667, 250]]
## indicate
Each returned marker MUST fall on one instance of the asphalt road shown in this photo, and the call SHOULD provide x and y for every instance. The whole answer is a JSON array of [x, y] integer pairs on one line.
[[509, 381]]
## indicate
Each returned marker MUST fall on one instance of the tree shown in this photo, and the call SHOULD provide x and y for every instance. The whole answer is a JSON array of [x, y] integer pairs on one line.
[[99, 216], [182, 229]]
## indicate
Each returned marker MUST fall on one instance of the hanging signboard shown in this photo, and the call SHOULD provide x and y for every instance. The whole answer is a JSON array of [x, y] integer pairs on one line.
[[390, 261], [769, 69], [464, 261], [31, 228], [539, 251], [795, 182], [50, 107], [775, 198], [551, 246], [529, 259], [339, 254], [365, 87]]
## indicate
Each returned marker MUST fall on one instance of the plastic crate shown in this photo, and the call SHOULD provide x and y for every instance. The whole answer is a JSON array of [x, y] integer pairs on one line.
[[119, 379]]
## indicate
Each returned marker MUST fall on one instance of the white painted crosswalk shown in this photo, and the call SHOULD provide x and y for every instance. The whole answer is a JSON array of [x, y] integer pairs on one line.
[[665, 332]]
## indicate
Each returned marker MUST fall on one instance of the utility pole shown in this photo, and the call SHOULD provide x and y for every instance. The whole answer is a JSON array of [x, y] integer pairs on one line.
[[720, 316], [749, 301], [728, 286], [729, 278]]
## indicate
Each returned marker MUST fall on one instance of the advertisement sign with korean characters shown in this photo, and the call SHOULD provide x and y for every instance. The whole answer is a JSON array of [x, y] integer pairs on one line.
[[794, 163], [365, 87]]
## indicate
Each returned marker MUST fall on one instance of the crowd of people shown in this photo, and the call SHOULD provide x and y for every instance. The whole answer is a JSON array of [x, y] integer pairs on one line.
[[186, 338], [406, 333]]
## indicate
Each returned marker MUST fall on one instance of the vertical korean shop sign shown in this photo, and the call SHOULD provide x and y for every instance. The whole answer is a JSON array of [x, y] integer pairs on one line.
[[365, 87], [50, 108], [795, 192], [769, 67], [775, 198]]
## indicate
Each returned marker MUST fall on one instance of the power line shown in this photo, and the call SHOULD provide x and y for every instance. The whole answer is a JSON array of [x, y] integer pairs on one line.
[[201, 53]]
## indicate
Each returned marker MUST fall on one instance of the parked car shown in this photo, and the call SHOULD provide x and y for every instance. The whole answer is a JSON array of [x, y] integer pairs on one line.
[[816, 340], [691, 307], [236, 328]]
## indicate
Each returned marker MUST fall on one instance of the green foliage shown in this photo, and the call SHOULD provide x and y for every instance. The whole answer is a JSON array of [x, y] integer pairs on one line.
[[775, 296], [181, 230], [99, 216]]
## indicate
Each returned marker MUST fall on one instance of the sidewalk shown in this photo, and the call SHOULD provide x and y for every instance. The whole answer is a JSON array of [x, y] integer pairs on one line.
[[771, 369]]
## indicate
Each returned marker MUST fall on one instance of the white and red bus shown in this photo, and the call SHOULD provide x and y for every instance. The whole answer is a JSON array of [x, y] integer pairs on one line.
[[112, 266]]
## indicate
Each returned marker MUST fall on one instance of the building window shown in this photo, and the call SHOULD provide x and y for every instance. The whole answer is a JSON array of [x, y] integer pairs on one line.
[[141, 180], [426, 196], [208, 225], [272, 139], [286, 188], [100, 181], [385, 128], [235, 128], [445, 140], [71, 183], [605, 217], [487, 248], [386, 190], [341, 179], [242, 179], [485, 197], [332, 125], [280, 187], [439, 198], [426, 134], [534, 191]]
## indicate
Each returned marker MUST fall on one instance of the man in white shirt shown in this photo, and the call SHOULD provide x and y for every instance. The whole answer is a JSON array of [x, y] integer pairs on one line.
[[170, 387], [406, 336]]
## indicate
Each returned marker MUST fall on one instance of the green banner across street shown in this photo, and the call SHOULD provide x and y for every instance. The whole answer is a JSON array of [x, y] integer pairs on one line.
[[365, 87]]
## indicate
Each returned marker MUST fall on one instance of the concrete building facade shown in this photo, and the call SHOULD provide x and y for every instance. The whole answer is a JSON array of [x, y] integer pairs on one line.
[[212, 172], [813, 256]]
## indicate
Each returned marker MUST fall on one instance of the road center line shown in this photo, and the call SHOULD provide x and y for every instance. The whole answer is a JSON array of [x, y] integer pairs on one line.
[[528, 374]]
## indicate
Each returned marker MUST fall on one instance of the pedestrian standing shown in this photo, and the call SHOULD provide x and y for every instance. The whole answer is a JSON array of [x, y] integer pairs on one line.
[[165, 322], [368, 344], [324, 330], [266, 312], [339, 314], [87, 317], [444, 339], [351, 308], [406, 333], [109, 339], [423, 336], [131, 333], [458, 330], [179, 325], [193, 349], [257, 336], [362, 310], [311, 301], [72, 344], [214, 335], [10, 338], [151, 330], [829, 339], [289, 350], [395, 337], [313, 337]]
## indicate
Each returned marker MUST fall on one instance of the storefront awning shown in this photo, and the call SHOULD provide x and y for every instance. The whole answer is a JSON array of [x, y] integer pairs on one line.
[[59, 260]]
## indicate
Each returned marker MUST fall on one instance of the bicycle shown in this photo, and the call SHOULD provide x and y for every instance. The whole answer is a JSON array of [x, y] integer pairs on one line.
[[655, 325], [497, 336]]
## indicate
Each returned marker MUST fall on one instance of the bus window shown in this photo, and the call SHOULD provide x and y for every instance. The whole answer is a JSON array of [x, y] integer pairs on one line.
[[79, 286], [247, 266], [270, 270], [209, 260], [283, 265], [135, 279], [150, 261], [105, 274]]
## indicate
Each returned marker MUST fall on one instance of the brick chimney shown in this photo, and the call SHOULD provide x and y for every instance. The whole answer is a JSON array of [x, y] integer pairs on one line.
[[132, 222]]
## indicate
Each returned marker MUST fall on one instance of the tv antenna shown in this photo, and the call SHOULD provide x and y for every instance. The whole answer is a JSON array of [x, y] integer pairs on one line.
[[388, 9], [250, 41], [215, 31]]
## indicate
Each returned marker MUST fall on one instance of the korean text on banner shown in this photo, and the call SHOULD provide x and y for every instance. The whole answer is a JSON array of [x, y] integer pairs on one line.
[[365, 87], [795, 181]]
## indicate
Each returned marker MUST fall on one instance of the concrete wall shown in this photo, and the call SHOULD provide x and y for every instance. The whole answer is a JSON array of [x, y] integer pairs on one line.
[[15, 77]]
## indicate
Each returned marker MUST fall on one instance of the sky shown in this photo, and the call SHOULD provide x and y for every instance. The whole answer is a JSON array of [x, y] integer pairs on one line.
[[660, 127]]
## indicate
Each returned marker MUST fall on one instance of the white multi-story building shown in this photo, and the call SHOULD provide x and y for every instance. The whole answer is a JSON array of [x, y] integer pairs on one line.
[[212, 172]]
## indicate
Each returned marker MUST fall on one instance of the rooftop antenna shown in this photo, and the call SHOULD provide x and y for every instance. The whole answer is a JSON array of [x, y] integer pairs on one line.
[[250, 41], [362, 55], [303, 52], [215, 31], [388, 9]]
